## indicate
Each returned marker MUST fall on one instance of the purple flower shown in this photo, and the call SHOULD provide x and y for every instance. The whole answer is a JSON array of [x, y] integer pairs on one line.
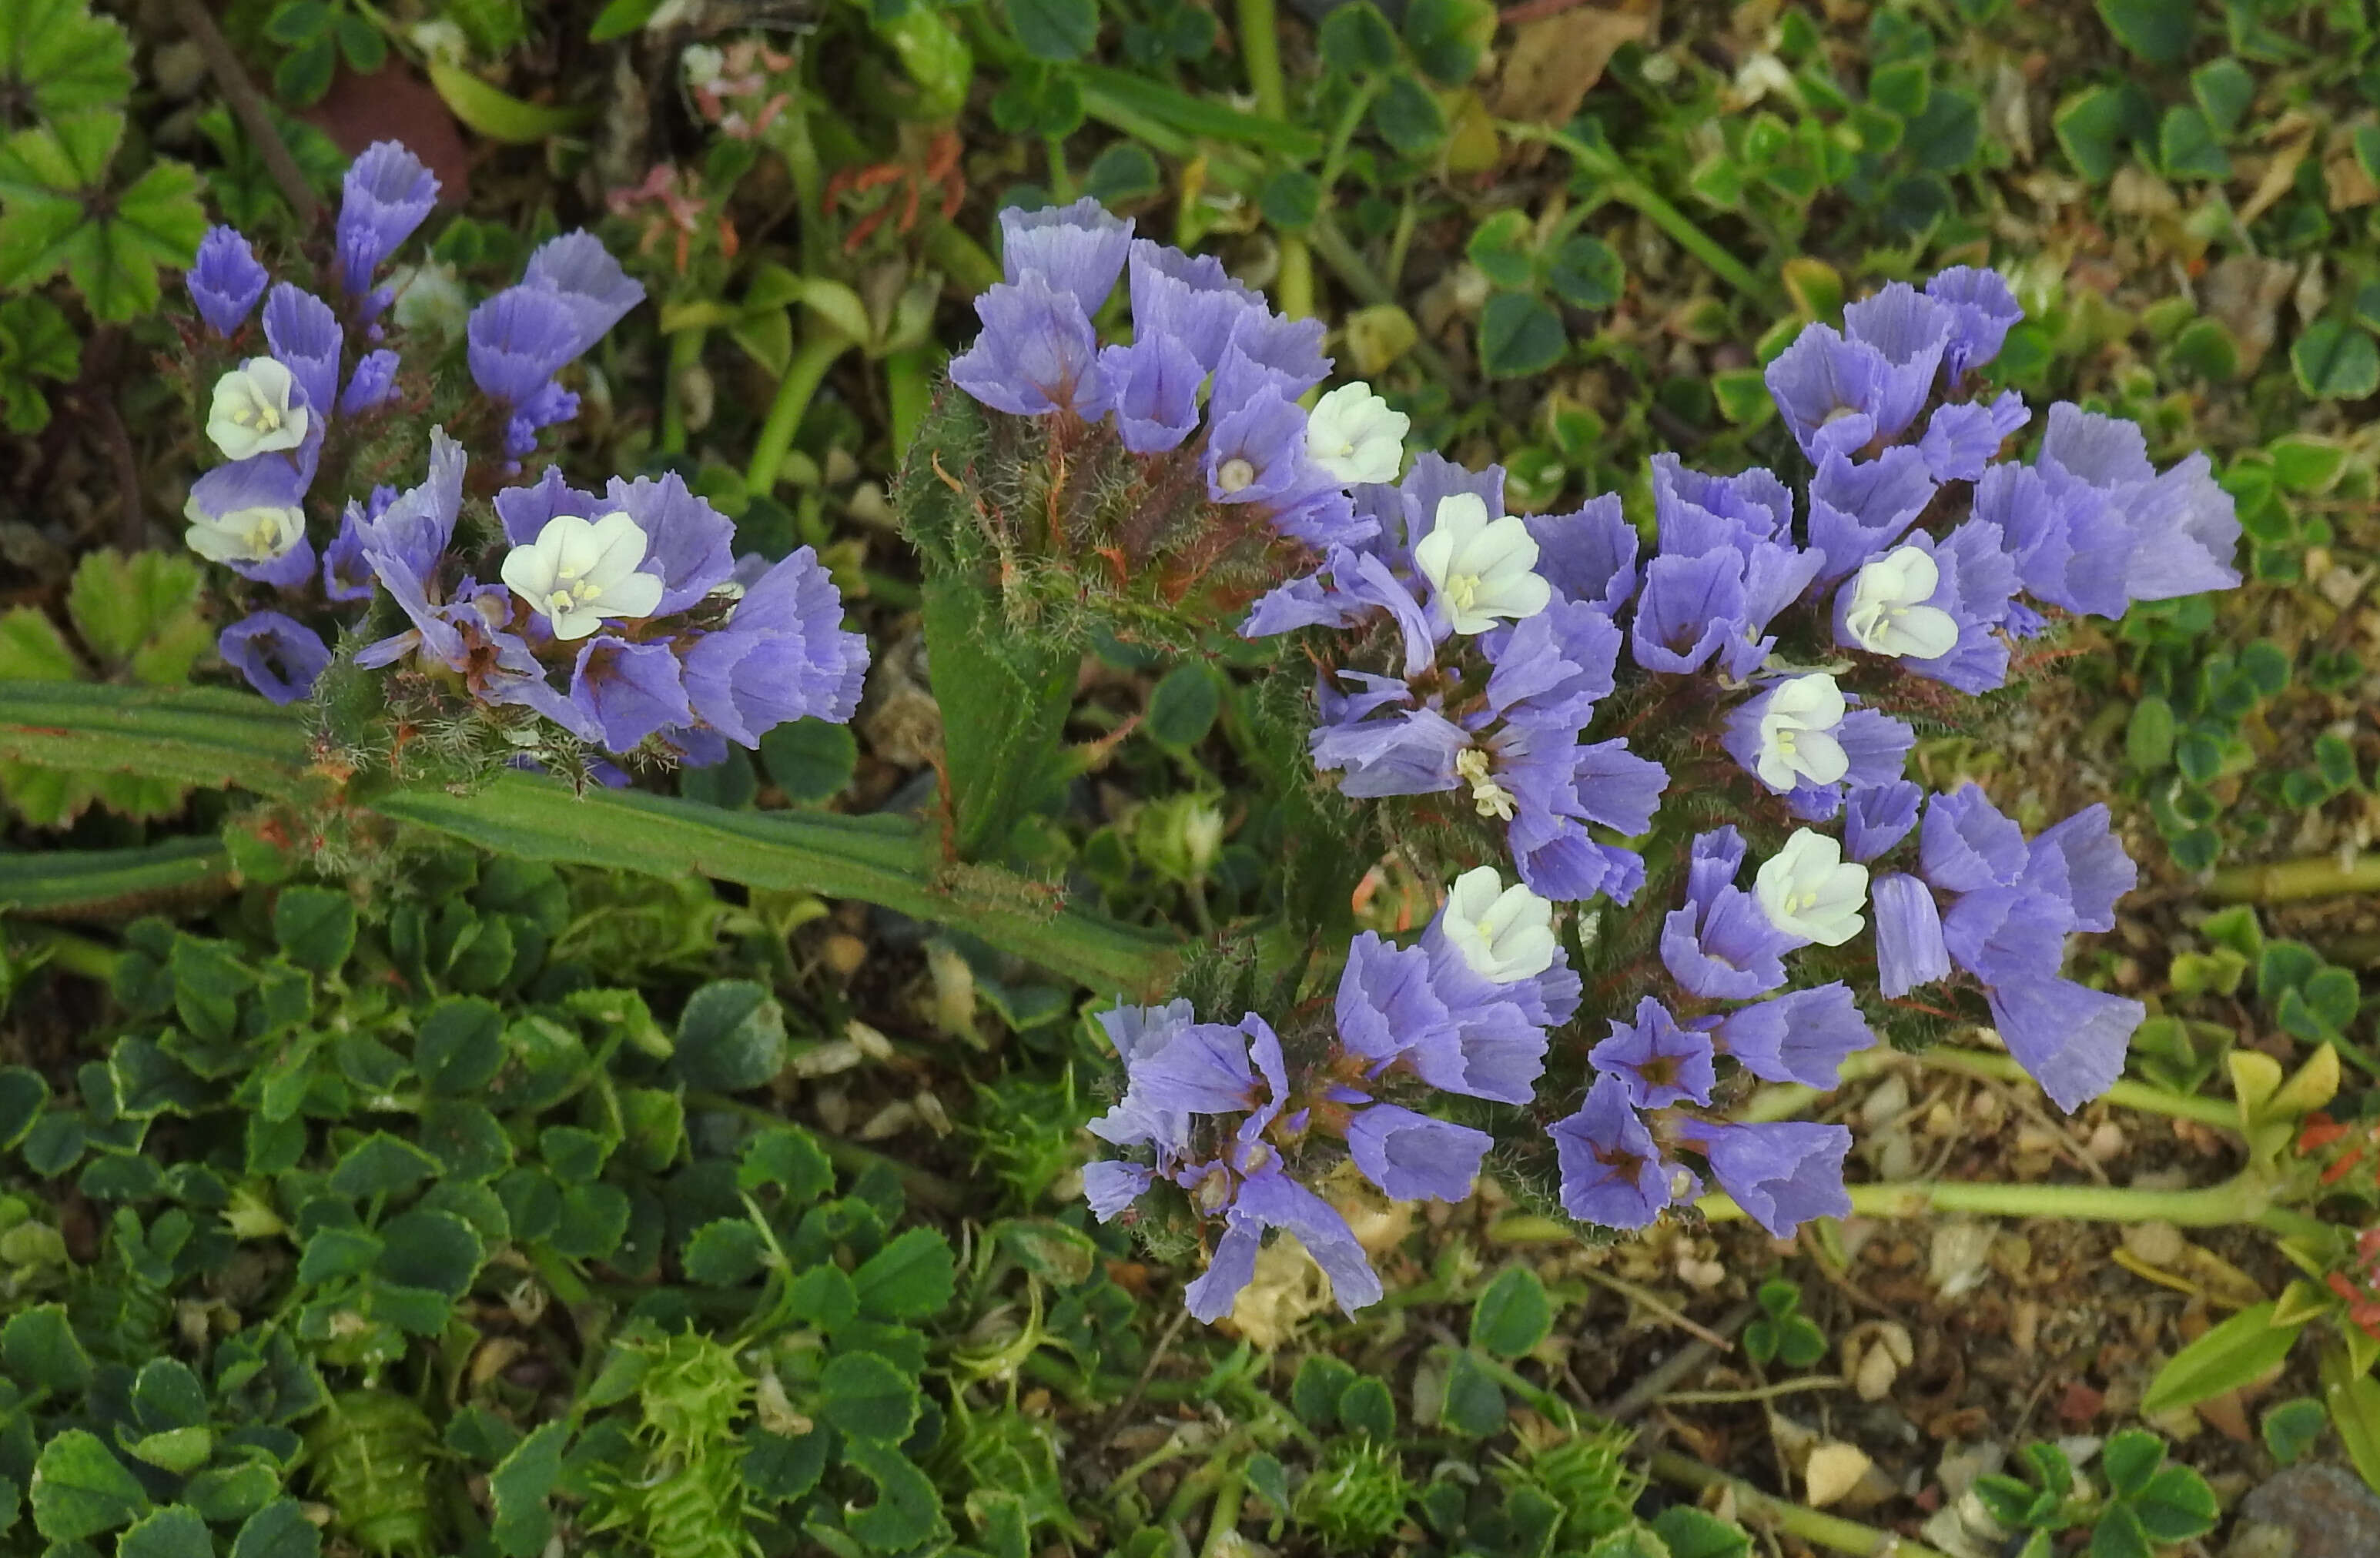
[[2005, 935], [1965, 436], [2071, 546], [577, 271], [1721, 944], [1414, 1157], [1830, 390], [279, 656], [1658, 1061], [629, 690], [517, 339], [1410, 750], [403, 545], [687, 542], [1859, 508], [346, 573], [1588, 556], [1689, 607], [1910, 332], [1139, 1034], [1186, 298], [1801, 1036], [247, 515], [1968, 843], [369, 387], [386, 195], [1112, 1184], [1156, 383], [1982, 309], [1694, 512], [1038, 353], [2185, 529], [1611, 1172], [224, 280], [1255, 451], [1272, 1200], [1974, 583], [1386, 1006], [1782, 1174], [305, 337], [2088, 865], [548, 404], [1552, 669], [1879, 817], [1078, 249], [2070, 1038], [1910, 950], [1288, 352], [783, 656]]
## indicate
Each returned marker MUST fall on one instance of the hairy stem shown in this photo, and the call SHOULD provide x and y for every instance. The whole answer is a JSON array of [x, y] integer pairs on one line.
[[1786, 1100], [255, 117], [1260, 51]]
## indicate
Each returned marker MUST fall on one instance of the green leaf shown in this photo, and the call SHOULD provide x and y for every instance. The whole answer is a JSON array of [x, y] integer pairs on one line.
[[730, 1036], [823, 1296], [1586, 272], [460, 1045], [2336, 361], [278, 1530], [56, 58], [910, 1278], [1289, 199], [41, 1351], [2119, 1535], [519, 1486], [811, 759], [1689, 1532], [2188, 147], [1408, 117], [1182, 707], [227, 1494], [167, 1393], [381, 1164], [1313, 1394], [1447, 36], [32, 648], [175, 1531], [178, 1450], [1005, 702], [80, 1490], [2093, 125], [2224, 89], [1633, 1540], [315, 927], [2176, 1505], [787, 1157], [294, 21], [498, 114], [1356, 39], [1519, 336], [2157, 31], [36, 341], [361, 43], [1365, 1406], [905, 1512], [1513, 1315], [2149, 735], [725, 1253], [620, 17], [1473, 1405], [1121, 174], [2242, 1349], [867, 1398], [332, 1253], [433, 1250], [2130, 1459], [1058, 30], [1503, 247]]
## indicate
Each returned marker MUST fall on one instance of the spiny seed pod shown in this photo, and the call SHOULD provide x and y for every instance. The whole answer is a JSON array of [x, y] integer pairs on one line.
[[692, 1392], [1586, 1475], [1358, 1497], [369, 1456]]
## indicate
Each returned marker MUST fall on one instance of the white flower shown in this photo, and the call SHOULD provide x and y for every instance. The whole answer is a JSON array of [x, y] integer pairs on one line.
[[1503, 933], [1806, 890], [576, 574], [252, 414], [1797, 739], [1491, 799], [1480, 567], [1887, 612], [1354, 435], [254, 535]]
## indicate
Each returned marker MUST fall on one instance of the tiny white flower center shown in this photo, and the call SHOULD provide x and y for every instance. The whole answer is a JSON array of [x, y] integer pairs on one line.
[[1492, 799], [1234, 475]]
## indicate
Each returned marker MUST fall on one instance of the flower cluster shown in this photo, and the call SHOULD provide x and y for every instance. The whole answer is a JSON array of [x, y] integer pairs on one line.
[[1181, 460], [1623, 720], [623, 619]]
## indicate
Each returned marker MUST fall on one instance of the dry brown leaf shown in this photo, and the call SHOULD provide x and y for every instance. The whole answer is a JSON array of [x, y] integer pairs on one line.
[[2291, 138], [2343, 171], [1554, 61]]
